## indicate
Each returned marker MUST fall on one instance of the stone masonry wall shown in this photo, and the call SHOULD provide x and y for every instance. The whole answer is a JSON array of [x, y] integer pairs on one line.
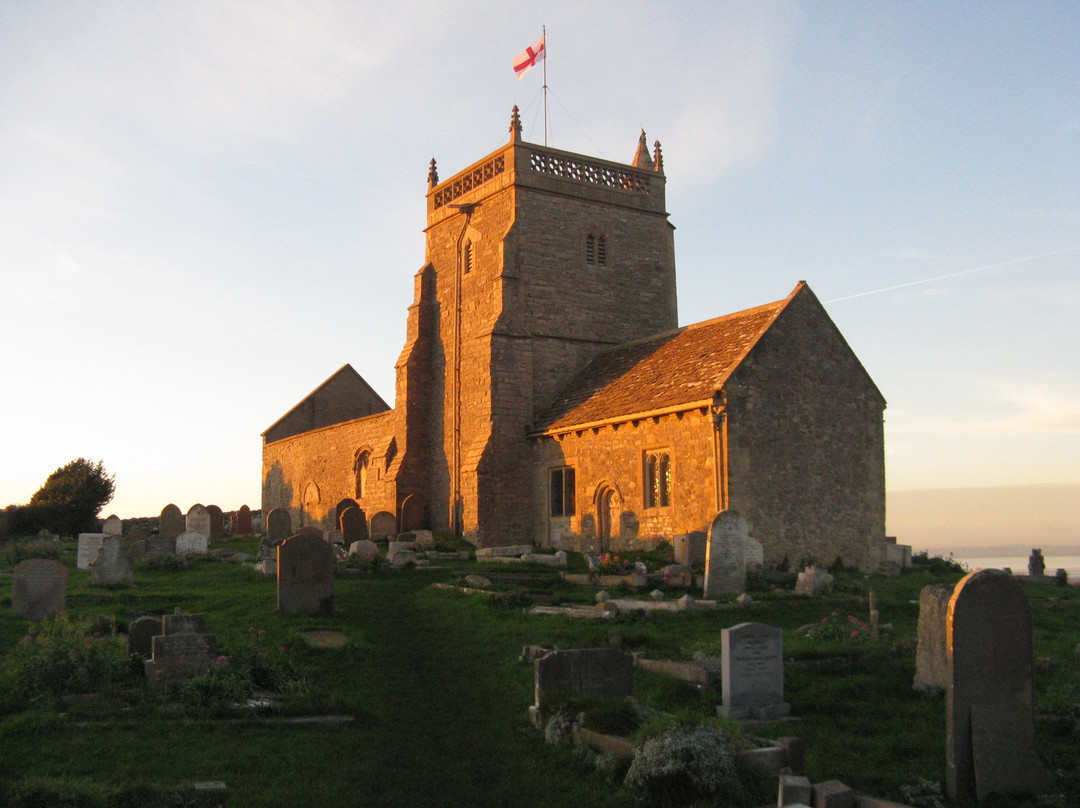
[[324, 457], [807, 464]]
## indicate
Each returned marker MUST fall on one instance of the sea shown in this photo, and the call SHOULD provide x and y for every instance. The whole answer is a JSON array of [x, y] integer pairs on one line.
[[1019, 563]]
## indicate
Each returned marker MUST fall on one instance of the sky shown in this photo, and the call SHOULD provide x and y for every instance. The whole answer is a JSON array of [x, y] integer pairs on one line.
[[207, 208]]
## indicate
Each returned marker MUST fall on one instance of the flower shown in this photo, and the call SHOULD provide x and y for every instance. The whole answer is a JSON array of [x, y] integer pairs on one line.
[[262, 632], [281, 649], [251, 630], [854, 634], [222, 660]]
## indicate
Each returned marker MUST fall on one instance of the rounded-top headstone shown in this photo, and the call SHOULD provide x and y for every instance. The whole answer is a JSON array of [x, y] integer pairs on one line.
[[198, 520], [172, 522]]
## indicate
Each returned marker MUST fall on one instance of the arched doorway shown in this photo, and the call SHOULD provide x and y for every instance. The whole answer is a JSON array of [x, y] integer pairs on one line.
[[605, 499]]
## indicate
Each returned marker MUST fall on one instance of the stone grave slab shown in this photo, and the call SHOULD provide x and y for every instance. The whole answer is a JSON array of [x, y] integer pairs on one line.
[[353, 525], [383, 525], [113, 526], [171, 523], [113, 566], [364, 548], [158, 546], [989, 701], [217, 523], [305, 576], [931, 665], [324, 639], [198, 520], [242, 522], [725, 559], [191, 543], [690, 548], [278, 525], [141, 633], [89, 544], [587, 671], [183, 623], [39, 588], [752, 672]]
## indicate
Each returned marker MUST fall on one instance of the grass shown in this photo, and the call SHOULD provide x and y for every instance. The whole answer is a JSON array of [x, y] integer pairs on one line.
[[437, 696]]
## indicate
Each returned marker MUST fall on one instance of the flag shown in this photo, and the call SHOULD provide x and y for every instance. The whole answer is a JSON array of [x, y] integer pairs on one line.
[[529, 57]]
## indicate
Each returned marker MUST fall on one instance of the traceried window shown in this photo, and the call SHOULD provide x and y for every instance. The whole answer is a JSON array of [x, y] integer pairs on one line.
[[361, 470], [657, 479], [562, 492]]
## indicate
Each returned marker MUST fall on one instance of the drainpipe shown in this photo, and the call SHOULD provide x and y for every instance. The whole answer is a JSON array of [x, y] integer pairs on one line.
[[456, 515], [718, 410]]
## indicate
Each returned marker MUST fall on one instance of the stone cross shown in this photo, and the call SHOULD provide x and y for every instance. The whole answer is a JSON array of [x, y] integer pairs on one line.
[[989, 705]]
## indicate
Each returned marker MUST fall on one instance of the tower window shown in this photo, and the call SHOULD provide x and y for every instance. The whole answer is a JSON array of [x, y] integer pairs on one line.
[[601, 251], [590, 249], [467, 258], [595, 250]]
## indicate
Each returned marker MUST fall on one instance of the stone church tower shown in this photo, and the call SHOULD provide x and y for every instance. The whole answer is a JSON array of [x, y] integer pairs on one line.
[[536, 260]]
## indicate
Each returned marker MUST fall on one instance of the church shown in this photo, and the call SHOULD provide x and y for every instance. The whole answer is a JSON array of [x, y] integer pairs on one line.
[[547, 395]]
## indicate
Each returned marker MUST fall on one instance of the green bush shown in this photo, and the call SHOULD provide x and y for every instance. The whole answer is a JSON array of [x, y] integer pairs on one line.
[[63, 657], [937, 565]]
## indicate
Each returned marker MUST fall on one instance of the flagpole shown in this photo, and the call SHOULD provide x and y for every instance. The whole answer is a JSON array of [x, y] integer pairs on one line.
[[543, 38]]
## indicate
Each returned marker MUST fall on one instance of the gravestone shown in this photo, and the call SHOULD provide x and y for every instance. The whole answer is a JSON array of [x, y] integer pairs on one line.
[[183, 623], [813, 580], [172, 522], [157, 546], [217, 523], [179, 656], [752, 672], [364, 549], [39, 588], [46, 537], [141, 633], [113, 566], [690, 548], [383, 525], [353, 525], [989, 707], [583, 672], [754, 553], [191, 543], [89, 544], [278, 524], [198, 520], [243, 525], [725, 560], [1036, 564], [113, 526], [305, 576], [931, 665]]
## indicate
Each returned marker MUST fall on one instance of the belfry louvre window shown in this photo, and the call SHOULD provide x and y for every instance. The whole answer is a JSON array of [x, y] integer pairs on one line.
[[595, 250], [467, 257], [657, 479], [561, 483]]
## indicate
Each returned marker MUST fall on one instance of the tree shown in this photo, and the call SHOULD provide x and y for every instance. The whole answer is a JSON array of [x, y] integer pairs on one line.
[[75, 494]]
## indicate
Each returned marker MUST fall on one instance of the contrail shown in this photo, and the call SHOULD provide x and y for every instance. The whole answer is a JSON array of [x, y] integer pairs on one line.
[[954, 274]]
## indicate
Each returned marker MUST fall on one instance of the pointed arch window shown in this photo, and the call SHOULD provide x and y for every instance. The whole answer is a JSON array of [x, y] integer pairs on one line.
[[657, 479], [360, 471]]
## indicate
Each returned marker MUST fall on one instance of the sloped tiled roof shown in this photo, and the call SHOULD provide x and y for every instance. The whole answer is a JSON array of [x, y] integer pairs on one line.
[[671, 369]]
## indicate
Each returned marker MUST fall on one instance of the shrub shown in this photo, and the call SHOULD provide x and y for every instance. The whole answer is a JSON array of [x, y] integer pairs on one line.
[[686, 764], [62, 657], [937, 565]]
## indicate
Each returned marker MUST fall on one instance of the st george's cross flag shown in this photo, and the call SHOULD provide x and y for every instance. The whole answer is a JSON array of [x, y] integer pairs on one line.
[[529, 57]]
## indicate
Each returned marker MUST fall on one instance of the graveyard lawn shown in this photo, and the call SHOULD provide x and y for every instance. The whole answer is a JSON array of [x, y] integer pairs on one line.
[[425, 704]]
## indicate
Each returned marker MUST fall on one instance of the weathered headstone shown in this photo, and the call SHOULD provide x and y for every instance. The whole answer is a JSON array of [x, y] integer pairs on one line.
[[217, 523], [353, 525], [113, 526], [383, 525], [39, 588], [89, 544], [365, 548], [198, 520], [141, 633], [45, 536], [1036, 564], [752, 672], [191, 543], [243, 525], [278, 524], [812, 580], [989, 706], [113, 566], [587, 671], [137, 549], [305, 576], [157, 546], [725, 559], [172, 522], [754, 553], [690, 548], [183, 623], [931, 665]]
